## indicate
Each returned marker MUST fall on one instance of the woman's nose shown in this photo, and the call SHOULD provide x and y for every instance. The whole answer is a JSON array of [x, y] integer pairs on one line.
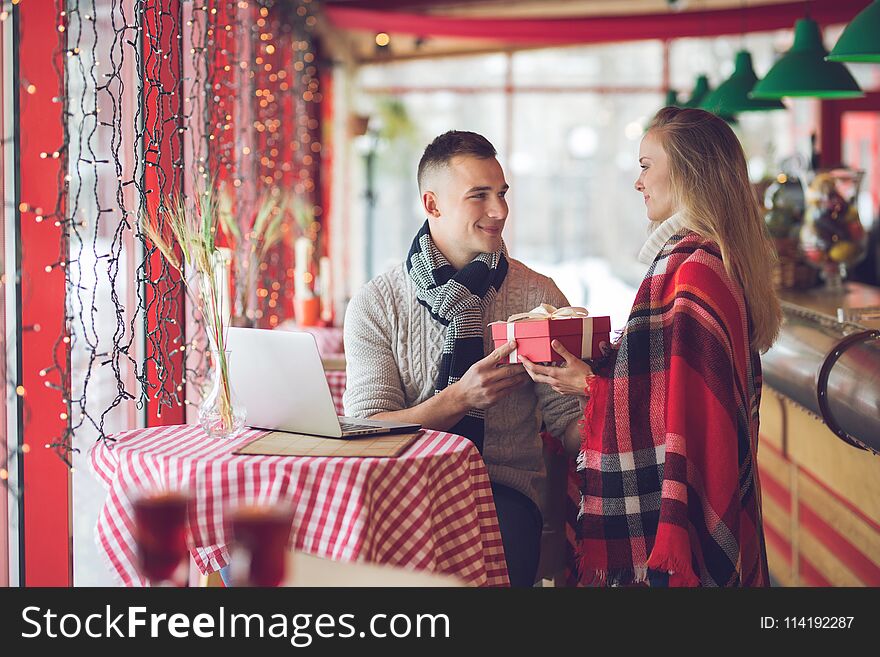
[[638, 185]]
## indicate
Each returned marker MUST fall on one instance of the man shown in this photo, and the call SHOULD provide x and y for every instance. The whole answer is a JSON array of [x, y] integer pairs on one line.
[[416, 339]]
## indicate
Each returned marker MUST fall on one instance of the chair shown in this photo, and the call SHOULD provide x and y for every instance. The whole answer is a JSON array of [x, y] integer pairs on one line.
[[553, 563]]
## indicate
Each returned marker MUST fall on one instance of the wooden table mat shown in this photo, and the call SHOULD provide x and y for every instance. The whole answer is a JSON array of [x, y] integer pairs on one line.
[[333, 363], [280, 443]]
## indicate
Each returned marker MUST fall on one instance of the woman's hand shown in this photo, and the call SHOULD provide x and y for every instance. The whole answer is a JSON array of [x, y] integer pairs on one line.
[[567, 379]]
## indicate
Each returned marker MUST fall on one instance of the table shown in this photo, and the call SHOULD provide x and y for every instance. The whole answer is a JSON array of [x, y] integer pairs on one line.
[[336, 380], [307, 570], [429, 509], [328, 338]]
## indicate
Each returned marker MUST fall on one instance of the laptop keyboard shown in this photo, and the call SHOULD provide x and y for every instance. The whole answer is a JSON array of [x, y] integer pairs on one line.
[[348, 427]]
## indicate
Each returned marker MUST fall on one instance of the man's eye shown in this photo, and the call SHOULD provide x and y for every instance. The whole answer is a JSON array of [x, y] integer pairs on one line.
[[502, 194], [481, 195]]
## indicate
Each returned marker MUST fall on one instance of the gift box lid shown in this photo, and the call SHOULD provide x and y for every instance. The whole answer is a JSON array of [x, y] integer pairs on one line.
[[536, 328]]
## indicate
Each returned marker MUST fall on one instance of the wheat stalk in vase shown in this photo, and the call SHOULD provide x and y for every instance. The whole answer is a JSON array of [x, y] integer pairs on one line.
[[252, 245], [193, 228]]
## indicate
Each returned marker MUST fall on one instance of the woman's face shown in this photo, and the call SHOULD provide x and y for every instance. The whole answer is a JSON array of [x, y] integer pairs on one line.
[[653, 182]]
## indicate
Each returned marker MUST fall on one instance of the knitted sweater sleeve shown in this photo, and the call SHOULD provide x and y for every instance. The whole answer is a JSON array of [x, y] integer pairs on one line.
[[373, 379]]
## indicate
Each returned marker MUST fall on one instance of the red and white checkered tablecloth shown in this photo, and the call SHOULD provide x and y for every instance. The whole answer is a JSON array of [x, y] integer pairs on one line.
[[336, 381], [328, 338], [430, 508]]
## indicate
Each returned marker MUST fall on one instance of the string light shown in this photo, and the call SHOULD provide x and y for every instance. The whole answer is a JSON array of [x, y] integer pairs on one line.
[[279, 69]]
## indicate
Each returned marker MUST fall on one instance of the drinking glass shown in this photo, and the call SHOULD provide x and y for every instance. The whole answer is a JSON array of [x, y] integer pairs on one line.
[[160, 520], [260, 538]]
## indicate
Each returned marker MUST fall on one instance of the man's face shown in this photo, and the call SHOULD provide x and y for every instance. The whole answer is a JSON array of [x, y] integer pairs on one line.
[[466, 208]]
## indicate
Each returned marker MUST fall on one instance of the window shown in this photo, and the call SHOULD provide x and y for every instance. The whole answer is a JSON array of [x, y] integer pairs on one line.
[[94, 186], [567, 122]]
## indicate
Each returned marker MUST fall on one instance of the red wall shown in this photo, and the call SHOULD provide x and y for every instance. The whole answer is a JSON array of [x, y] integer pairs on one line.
[[46, 478]]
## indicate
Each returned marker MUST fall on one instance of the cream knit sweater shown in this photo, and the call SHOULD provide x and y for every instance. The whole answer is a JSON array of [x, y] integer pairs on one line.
[[392, 351]]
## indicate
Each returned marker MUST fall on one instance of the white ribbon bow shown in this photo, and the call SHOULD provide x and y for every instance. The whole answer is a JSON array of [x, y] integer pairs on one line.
[[546, 311]]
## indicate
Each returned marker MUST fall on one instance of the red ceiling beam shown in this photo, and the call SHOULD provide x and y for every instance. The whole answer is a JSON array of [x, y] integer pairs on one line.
[[596, 29]]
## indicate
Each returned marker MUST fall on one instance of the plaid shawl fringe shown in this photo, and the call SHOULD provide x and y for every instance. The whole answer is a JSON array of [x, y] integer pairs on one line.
[[686, 355]]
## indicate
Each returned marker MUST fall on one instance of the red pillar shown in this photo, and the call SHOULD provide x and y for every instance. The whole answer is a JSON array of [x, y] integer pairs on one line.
[[163, 153], [831, 124], [45, 478]]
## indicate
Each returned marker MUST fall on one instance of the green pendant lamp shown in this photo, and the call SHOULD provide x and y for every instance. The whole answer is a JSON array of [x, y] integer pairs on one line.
[[803, 71], [701, 91], [732, 95], [672, 99], [860, 41]]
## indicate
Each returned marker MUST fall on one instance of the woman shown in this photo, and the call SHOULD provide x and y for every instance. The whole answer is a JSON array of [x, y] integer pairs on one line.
[[669, 483]]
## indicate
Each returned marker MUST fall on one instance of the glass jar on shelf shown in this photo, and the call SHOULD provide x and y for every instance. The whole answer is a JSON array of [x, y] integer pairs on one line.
[[784, 204], [832, 236]]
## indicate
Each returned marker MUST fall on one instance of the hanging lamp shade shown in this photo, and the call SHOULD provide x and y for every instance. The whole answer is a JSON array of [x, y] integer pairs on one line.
[[700, 93], [732, 95], [672, 99], [701, 90], [803, 71], [860, 41]]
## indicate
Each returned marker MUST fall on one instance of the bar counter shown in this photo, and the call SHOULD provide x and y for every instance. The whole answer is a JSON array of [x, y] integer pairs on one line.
[[820, 439]]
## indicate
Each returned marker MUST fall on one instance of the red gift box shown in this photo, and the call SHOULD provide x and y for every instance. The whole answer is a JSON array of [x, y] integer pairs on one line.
[[580, 335]]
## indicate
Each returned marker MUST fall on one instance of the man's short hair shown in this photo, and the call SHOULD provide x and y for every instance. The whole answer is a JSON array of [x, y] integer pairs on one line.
[[453, 144]]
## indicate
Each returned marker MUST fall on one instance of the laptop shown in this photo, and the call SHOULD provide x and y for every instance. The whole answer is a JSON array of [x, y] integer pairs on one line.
[[279, 377]]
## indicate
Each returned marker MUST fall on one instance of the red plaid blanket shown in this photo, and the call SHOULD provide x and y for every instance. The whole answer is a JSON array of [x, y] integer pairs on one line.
[[668, 474]]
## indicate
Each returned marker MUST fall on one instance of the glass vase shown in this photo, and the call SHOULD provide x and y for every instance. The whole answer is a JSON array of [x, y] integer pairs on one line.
[[832, 236], [221, 414]]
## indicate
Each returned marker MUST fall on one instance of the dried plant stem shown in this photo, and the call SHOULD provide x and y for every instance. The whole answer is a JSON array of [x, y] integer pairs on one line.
[[215, 327], [193, 229]]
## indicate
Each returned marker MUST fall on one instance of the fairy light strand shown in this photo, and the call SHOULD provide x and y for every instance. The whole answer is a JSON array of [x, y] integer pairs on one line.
[[123, 115]]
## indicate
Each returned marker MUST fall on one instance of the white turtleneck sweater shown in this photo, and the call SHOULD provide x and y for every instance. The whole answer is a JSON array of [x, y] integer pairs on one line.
[[659, 236]]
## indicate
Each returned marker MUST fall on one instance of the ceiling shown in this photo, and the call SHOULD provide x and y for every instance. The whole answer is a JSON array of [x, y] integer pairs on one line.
[[360, 47], [545, 8]]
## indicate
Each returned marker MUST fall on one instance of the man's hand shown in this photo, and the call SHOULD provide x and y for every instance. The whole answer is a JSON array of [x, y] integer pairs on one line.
[[490, 379], [567, 379]]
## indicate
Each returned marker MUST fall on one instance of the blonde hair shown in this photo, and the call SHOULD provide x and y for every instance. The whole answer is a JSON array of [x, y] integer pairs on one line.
[[710, 187]]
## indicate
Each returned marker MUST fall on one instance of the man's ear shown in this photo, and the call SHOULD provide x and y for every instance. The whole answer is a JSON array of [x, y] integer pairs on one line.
[[430, 204]]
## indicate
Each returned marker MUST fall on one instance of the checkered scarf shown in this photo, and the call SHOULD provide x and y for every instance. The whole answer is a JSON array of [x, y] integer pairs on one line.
[[667, 464], [457, 299]]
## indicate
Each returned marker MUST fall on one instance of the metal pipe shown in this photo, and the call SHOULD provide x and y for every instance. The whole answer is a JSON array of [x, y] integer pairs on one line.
[[793, 365]]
